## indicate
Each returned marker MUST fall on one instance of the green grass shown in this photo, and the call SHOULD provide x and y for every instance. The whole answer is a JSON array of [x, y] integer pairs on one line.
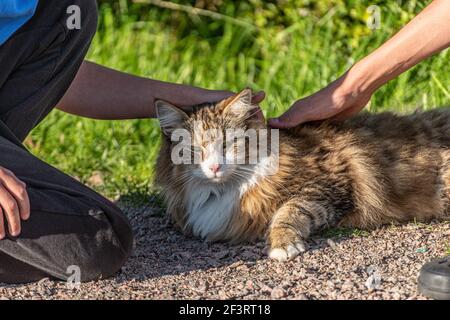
[[288, 63]]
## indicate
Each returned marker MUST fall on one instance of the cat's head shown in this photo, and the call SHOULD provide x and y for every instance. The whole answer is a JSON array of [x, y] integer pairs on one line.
[[212, 143]]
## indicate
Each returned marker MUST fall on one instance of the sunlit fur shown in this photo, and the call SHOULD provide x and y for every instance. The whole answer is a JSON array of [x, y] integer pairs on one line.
[[364, 172]]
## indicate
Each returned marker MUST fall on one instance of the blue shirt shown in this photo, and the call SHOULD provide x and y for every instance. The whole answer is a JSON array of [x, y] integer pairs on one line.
[[13, 15]]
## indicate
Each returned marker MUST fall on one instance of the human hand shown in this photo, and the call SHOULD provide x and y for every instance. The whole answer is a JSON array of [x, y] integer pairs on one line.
[[339, 100], [350, 93], [14, 203]]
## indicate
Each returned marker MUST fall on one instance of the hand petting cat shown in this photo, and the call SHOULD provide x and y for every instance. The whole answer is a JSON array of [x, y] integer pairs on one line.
[[427, 34]]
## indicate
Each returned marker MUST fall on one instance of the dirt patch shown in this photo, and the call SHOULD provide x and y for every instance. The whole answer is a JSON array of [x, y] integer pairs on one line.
[[341, 264]]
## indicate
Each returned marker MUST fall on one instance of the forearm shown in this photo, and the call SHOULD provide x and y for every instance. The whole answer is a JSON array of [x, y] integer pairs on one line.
[[102, 93], [426, 34]]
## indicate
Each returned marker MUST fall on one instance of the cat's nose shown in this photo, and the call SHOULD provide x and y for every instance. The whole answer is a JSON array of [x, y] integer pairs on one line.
[[214, 168]]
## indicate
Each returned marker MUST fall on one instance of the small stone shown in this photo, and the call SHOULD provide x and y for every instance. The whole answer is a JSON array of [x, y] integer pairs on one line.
[[373, 282], [301, 296], [265, 288], [278, 293], [250, 284], [332, 244], [185, 254], [221, 254]]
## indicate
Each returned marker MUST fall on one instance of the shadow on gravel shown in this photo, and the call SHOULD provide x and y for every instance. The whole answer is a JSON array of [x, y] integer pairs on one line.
[[162, 250]]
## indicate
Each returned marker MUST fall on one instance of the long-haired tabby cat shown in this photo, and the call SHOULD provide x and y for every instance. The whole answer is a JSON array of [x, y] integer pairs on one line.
[[364, 172]]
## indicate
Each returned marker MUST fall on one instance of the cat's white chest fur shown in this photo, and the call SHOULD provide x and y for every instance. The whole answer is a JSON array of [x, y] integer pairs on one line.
[[210, 208]]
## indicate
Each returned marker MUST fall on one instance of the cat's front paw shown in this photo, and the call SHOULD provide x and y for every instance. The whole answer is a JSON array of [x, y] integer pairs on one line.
[[287, 252], [285, 243]]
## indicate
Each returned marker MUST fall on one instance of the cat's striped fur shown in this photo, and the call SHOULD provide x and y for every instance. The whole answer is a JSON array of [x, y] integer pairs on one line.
[[364, 172]]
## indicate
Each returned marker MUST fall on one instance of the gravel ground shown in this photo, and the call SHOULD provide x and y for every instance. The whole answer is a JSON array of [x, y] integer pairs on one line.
[[341, 264]]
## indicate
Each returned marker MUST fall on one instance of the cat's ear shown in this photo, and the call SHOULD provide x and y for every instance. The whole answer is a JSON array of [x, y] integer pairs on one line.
[[170, 117], [240, 106]]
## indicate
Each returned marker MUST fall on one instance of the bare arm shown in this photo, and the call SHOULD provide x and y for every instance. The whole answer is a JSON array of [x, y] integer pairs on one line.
[[102, 93], [425, 35]]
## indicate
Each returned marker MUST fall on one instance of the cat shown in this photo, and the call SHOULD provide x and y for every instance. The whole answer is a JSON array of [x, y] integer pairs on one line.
[[370, 170]]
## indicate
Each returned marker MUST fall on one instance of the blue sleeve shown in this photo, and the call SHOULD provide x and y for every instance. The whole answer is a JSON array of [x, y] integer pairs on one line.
[[13, 15]]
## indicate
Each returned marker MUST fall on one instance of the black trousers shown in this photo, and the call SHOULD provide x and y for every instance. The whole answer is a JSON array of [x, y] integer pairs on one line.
[[70, 224]]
